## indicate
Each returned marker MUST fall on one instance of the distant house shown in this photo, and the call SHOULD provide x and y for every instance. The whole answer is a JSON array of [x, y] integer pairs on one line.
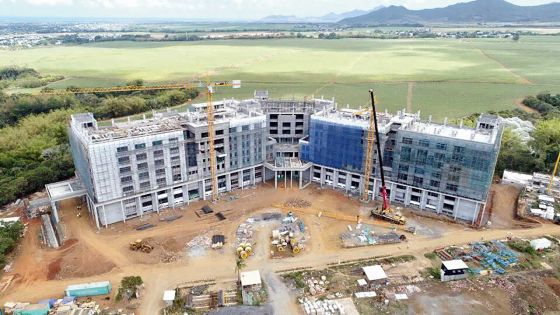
[[375, 275], [541, 243], [453, 270]]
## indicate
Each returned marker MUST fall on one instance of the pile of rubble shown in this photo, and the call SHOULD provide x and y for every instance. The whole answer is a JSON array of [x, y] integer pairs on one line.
[[317, 287], [198, 245], [325, 307], [289, 235], [65, 306], [297, 203], [245, 232]]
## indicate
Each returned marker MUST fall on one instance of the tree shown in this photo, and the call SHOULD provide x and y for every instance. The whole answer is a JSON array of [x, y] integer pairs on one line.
[[135, 82], [515, 36], [514, 154], [239, 265], [546, 143]]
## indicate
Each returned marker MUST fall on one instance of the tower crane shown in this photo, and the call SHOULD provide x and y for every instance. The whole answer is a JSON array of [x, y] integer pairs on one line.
[[209, 90], [549, 188], [386, 212]]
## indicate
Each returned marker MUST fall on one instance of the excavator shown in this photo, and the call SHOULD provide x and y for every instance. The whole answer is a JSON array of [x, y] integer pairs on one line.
[[385, 213]]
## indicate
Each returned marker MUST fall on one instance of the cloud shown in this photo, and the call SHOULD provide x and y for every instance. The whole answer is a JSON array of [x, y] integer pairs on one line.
[[48, 2]]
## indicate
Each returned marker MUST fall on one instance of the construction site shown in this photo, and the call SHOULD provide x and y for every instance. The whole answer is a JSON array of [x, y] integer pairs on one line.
[[280, 207]]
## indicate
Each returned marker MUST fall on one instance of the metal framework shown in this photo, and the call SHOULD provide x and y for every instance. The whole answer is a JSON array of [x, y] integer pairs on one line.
[[187, 85]]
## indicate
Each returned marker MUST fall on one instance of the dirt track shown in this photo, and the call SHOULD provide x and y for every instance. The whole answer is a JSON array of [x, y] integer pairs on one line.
[[109, 247]]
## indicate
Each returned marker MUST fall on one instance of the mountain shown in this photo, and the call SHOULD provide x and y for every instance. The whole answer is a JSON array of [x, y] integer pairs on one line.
[[328, 18], [477, 11]]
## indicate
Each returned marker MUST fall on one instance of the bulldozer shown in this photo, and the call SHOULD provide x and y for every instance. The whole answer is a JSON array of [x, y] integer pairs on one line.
[[141, 245]]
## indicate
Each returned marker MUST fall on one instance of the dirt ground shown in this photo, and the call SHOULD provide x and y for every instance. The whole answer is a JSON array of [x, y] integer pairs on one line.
[[96, 255]]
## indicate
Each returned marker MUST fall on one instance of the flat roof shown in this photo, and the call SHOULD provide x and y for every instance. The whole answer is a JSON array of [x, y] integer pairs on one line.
[[374, 273], [169, 295], [454, 264], [250, 278]]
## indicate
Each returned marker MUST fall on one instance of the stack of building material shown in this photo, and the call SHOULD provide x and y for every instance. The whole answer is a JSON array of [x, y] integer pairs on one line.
[[326, 307]]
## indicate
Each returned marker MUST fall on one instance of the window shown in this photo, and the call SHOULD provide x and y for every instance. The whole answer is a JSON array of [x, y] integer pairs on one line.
[[157, 143], [126, 179], [451, 187], [160, 172], [421, 156], [403, 168], [434, 183], [424, 143], [144, 185], [140, 146], [402, 176], [122, 149], [124, 160], [158, 153], [245, 128], [407, 140], [173, 140], [144, 175], [174, 150], [142, 166], [286, 124], [219, 132], [405, 154], [124, 170], [127, 189], [441, 146], [436, 174], [419, 171], [161, 181], [159, 162], [176, 177], [141, 157], [418, 181]]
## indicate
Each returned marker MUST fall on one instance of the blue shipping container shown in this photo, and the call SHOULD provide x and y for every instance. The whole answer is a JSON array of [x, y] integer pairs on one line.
[[89, 289]]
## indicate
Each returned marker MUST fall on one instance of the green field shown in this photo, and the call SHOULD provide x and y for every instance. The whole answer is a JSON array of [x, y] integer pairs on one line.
[[446, 77]]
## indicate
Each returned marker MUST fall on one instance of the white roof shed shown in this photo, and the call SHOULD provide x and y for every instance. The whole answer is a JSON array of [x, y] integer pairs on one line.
[[250, 278], [374, 273], [541, 243], [169, 295], [456, 264]]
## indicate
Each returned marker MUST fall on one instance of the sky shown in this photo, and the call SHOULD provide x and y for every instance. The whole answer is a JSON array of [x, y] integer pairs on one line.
[[206, 9]]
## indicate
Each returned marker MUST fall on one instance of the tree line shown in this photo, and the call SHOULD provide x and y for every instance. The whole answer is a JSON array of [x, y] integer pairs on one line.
[[540, 153], [10, 233], [34, 148]]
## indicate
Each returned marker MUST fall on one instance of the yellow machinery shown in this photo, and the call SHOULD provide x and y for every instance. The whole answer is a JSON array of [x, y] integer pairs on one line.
[[553, 174], [187, 85]]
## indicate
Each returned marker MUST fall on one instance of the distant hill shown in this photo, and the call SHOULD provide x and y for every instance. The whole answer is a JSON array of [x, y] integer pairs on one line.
[[328, 18], [469, 12]]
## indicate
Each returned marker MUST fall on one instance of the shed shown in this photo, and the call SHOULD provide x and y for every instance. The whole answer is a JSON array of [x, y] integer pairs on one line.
[[453, 270], [89, 289], [546, 199], [168, 297], [541, 243], [250, 279], [375, 274]]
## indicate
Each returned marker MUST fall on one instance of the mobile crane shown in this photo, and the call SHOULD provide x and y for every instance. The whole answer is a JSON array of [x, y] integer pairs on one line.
[[386, 213]]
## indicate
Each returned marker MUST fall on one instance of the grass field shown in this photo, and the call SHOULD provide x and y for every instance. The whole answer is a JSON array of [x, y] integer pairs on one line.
[[445, 77]]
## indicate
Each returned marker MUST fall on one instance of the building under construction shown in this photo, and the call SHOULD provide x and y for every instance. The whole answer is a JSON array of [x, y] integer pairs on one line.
[[136, 167]]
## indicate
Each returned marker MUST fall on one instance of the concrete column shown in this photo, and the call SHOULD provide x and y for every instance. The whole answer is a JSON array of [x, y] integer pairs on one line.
[[456, 208], [122, 211], [104, 216], [264, 174], [155, 202], [423, 200], [96, 217], [301, 179], [55, 211], [407, 195], [240, 179], [203, 189], [291, 179], [228, 182], [440, 204], [348, 182], [285, 181], [275, 179], [252, 172], [323, 174], [393, 191]]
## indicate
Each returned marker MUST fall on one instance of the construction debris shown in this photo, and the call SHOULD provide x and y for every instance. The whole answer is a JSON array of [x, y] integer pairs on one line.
[[321, 307], [363, 235], [290, 235], [141, 245], [297, 203], [198, 245], [171, 218], [144, 227], [218, 241]]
